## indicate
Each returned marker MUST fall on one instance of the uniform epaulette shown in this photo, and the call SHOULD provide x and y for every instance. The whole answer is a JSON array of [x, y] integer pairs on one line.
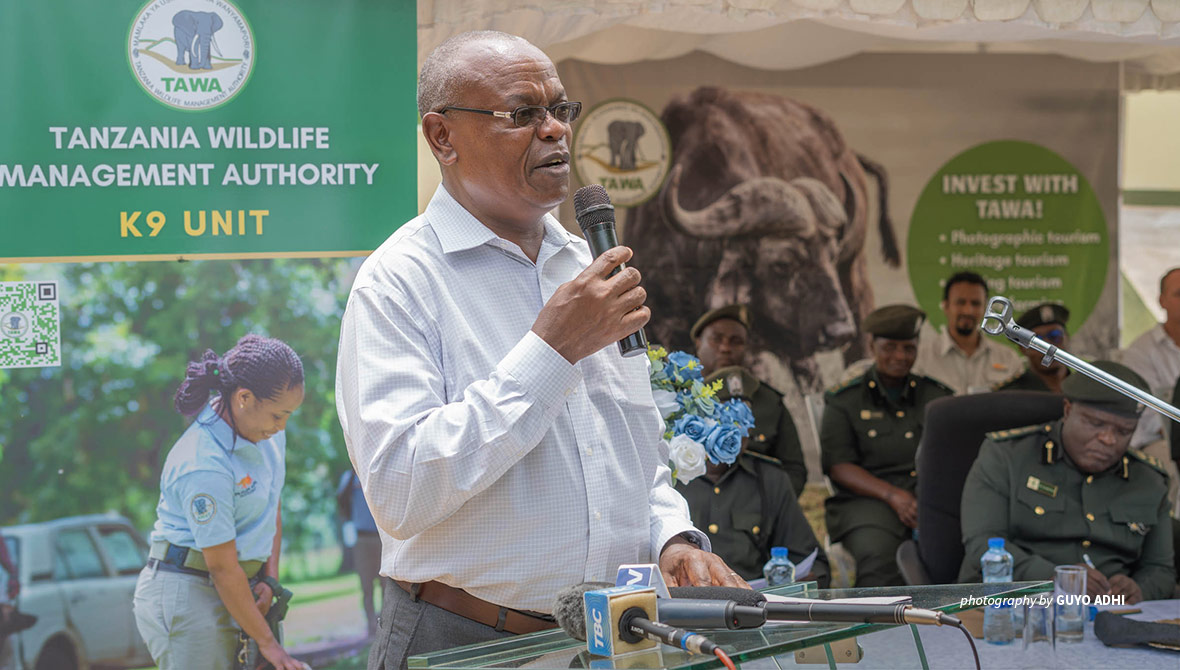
[[845, 385], [1150, 461], [1008, 380], [937, 383], [763, 457], [1013, 433]]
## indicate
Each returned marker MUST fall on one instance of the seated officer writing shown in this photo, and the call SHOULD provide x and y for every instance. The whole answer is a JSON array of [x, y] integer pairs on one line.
[[1062, 491], [869, 435], [750, 506]]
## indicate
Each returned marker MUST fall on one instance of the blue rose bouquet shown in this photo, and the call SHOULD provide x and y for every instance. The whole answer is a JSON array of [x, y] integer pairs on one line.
[[696, 425]]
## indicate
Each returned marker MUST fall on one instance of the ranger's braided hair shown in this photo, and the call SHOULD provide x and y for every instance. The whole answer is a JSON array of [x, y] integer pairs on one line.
[[264, 365]]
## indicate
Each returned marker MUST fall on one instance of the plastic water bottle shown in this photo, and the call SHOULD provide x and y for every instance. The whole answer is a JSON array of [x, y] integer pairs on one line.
[[779, 569], [997, 567]]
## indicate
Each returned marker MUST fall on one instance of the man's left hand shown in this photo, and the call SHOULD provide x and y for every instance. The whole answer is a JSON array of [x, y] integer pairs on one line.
[[683, 564], [1122, 585]]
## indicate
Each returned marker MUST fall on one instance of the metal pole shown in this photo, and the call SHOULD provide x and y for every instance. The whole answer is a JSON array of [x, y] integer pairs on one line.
[[998, 321]]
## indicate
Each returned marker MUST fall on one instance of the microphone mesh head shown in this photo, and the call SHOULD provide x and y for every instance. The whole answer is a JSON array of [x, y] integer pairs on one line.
[[740, 596], [593, 197], [570, 611]]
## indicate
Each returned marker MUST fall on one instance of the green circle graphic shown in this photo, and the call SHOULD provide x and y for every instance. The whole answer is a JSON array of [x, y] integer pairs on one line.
[[1021, 216]]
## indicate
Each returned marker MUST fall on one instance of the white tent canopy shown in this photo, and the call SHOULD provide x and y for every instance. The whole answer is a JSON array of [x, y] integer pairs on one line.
[[788, 34]]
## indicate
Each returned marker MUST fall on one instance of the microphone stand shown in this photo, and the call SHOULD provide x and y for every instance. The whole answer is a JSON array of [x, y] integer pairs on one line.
[[998, 321]]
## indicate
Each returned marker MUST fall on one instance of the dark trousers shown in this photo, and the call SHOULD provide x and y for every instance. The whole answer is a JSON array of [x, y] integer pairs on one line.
[[875, 551], [408, 628]]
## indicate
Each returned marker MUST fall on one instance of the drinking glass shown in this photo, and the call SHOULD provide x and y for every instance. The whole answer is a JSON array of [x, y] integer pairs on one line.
[[1069, 592], [1037, 641]]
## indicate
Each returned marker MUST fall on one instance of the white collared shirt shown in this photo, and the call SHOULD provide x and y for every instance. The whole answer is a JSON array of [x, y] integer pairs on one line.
[[1155, 356], [939, 357], [491, 463]]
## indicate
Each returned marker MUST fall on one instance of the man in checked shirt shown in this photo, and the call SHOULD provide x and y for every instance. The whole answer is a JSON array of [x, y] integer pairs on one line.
[[506, 449]]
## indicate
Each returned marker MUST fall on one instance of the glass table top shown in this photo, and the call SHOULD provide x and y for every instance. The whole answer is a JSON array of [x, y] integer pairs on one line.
[[554, 650]]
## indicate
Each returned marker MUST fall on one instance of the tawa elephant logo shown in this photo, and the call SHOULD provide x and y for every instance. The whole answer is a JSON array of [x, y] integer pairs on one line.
[[191, 54], [623, 146]]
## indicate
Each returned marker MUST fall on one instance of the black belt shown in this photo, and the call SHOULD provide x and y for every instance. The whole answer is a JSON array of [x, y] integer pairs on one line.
[[170, 567]]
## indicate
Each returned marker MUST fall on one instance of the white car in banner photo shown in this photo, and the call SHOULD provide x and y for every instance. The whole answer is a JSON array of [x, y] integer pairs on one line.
[[77, 576]]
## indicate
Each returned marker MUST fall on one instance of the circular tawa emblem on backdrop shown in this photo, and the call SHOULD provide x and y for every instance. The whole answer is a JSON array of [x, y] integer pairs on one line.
[[623, 146], [191, 54]]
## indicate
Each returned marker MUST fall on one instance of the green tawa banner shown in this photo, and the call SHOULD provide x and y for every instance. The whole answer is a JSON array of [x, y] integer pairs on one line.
[[1021, 216], [205, 128]]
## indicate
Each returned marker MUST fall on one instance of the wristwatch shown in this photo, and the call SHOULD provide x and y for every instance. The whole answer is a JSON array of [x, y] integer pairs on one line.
[[691, 538]]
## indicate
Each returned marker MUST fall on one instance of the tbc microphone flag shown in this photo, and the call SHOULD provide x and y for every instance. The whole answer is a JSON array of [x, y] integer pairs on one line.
[[604, 610]]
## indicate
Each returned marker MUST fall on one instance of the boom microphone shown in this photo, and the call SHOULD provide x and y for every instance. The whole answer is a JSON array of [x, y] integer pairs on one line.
[[596, 218], [820, 610]]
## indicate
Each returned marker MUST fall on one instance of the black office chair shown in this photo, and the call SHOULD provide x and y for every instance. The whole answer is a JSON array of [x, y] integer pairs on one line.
[[955, 428]]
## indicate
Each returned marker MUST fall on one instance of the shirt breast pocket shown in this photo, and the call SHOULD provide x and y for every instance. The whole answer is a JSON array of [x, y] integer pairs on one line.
[[750, 524], [873, 430], [1038, 512], [1132, 524]]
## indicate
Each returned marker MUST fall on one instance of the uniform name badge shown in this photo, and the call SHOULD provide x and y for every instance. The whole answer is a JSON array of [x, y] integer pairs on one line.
[[1044, 488]]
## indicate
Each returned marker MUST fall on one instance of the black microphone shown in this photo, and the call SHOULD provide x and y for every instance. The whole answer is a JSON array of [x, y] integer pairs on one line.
[[596, 218], [820, 610]]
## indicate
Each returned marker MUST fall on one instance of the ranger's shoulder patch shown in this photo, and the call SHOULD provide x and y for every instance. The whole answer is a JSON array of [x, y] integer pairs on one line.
[[1150, 461], [1009, 434]]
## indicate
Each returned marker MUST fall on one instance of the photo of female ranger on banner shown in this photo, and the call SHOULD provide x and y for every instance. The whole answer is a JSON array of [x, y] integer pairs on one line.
[[215, 545]]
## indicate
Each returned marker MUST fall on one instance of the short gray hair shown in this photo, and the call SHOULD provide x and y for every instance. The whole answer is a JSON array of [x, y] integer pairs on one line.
[[442, 72]]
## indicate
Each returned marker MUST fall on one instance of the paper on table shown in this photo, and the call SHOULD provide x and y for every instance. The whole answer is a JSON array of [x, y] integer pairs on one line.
[[803, 568]]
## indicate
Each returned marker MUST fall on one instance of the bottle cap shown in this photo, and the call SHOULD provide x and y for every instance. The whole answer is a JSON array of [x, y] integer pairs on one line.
[[778, 552], [995, 543]]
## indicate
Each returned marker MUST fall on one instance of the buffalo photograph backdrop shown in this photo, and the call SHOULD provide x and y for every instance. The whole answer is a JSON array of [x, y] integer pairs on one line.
[[181, 173], [820, 193]]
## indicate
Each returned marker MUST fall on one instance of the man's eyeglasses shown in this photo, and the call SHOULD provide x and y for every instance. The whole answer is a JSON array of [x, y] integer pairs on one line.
[[528, 115]]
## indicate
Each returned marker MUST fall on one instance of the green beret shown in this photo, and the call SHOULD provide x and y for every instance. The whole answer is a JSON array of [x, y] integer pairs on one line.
[[1046, 312], [1080, 388], [739, 313], [737, 382], [894, 322]]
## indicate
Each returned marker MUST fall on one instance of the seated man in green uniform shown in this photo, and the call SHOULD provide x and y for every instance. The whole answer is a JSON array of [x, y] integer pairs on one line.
[[749, 506], [1048, 321], [1061, 491], [869, 434], [720, 339]]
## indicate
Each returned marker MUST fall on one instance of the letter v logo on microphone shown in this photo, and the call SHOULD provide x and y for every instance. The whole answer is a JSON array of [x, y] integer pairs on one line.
[[643, 574]]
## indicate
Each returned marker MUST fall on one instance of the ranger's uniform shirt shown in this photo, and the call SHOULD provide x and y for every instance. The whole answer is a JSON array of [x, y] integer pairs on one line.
[[1024, 488], [866, 426], [215, 489], [774, 432], [749, 510]]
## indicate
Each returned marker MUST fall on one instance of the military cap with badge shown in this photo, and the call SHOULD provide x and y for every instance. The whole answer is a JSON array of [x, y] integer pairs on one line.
[[739, 313], [894, 322]]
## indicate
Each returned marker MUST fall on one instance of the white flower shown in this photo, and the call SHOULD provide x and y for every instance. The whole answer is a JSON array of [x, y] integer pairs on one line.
[[665, 402], [688, 458]]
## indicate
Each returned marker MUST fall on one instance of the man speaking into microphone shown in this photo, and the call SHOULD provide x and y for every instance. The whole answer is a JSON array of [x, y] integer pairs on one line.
[[505, 446]]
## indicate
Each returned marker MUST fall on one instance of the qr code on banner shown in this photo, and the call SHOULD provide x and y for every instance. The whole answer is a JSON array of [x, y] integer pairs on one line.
[[30, 324]]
